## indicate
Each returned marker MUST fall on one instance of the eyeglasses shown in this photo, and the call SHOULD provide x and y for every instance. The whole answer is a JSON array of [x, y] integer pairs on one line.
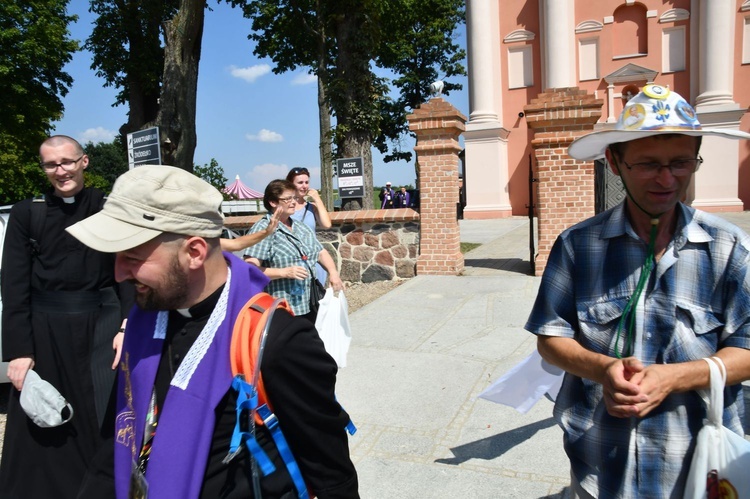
[[66, 164], [287, 199], [300, 171], [678, 167]]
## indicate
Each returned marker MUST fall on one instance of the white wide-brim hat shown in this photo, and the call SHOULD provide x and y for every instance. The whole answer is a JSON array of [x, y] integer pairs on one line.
[[655, 110]]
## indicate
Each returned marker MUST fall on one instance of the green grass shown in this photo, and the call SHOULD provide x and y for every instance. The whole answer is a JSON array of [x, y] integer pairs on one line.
[[466, 247]]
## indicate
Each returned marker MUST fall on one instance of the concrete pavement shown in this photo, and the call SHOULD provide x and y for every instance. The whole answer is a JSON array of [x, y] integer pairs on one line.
[[419, 357]]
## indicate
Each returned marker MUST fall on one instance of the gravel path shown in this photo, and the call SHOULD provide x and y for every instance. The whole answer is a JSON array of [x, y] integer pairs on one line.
[[360, 294]]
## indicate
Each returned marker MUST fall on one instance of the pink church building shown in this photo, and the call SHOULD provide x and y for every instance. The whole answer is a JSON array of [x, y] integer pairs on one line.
[[517, 49]]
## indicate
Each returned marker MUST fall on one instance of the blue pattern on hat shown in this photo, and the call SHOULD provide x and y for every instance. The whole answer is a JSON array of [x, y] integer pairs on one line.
[[661, 110]]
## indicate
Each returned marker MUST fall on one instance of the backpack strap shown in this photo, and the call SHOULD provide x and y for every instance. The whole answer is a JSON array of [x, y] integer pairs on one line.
[[249, 339], [36, 223], [246, 353]]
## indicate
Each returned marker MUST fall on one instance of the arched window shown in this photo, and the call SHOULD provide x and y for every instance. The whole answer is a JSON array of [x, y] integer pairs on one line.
[[630, 31]]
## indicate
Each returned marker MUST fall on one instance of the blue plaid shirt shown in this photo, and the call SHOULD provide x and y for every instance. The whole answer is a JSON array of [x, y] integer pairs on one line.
[[696, 302], [277, 251]]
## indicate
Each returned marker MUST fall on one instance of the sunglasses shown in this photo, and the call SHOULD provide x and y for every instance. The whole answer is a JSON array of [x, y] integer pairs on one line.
[[300, 171]]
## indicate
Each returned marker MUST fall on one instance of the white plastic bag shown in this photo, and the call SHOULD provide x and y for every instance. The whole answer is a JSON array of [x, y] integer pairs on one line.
[[332, 324], [525, 384], [722, 458]]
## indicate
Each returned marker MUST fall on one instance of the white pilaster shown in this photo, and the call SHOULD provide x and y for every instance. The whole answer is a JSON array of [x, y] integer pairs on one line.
[[716, 53], [486, 172], [558, 39], [611, 118], [715, 187], [486, 146], [716, 184], [483, 56]]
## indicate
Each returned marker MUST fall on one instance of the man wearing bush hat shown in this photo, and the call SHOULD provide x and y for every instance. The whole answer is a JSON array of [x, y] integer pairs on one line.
[[634, 298], [176, 408]]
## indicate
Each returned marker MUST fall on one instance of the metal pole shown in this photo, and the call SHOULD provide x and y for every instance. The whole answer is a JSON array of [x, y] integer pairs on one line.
[[531, 214]]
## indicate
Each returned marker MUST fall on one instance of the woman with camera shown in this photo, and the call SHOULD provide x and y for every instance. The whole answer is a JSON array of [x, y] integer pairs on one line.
[[290, 254], [310, 209]]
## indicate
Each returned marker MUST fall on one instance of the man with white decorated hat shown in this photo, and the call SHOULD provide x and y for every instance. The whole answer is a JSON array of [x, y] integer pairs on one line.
[[634, 298]]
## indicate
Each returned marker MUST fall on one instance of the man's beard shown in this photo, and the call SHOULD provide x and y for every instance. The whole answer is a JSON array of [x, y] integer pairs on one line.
[[172, 292]]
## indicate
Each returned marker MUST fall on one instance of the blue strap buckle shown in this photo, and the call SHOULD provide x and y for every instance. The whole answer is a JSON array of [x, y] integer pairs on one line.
[[247, 399]]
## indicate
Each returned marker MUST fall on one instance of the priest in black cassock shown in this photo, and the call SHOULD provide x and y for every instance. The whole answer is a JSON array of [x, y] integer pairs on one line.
[[63, 316]]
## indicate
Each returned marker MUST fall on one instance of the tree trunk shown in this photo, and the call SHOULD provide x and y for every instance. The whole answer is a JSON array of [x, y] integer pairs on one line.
[[326, 160], [353, 70], [182, 52], [355, 145], [143, 96], [324, 115]]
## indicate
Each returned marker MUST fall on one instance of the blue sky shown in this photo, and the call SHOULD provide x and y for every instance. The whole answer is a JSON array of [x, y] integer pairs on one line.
[[256, 124]]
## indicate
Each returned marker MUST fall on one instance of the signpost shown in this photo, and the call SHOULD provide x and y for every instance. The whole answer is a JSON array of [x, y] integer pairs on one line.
[[143, 147], [351, 177]]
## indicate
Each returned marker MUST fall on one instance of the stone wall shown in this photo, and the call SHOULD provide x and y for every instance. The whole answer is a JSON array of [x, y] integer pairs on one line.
[[370, 252], [368, 245]]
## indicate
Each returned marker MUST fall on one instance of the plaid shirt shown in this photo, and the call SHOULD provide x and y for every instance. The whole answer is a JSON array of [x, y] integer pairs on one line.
[[696, 302], [277, 251]]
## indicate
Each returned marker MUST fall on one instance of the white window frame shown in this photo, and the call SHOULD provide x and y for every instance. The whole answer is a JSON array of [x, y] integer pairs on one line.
[[520, 62], [586, 70], [668, 55]]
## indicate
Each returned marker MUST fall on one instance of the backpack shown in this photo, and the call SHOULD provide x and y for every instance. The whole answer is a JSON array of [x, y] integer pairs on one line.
[[38, 215], [246, 352], [36, 223]]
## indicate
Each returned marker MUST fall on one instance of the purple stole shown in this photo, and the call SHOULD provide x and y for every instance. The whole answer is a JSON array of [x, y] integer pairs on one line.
[[183, 438]]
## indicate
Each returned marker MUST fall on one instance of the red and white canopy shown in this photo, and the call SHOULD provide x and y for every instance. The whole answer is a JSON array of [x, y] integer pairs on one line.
[[241, 191]]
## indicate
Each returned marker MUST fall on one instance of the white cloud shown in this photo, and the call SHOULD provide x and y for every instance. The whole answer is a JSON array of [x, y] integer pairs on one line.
[[250, 74], [304, 79], [96, 135], [265, 136]]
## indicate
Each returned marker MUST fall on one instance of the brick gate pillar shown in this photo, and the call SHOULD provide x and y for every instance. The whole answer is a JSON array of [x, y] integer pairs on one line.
[[438, 125], [565, 188]]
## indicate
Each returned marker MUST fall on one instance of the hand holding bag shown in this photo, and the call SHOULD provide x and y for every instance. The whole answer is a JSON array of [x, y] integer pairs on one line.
[[722, 458], [333, 325]]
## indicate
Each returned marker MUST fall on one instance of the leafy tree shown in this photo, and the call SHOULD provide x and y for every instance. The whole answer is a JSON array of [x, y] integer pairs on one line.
[[107, 161], [421, 49], [20, 175], [341, 42], [183, 36], [304, 23], [334, 39], [158, 82], [213, 173], [128, 55], [35, 45]]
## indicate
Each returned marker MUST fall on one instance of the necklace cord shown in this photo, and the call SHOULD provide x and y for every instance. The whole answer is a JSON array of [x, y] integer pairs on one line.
[[627, 319]]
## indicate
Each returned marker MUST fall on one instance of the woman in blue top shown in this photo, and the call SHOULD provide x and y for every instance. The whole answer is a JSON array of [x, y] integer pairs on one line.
[[310, 208], [290, 252]]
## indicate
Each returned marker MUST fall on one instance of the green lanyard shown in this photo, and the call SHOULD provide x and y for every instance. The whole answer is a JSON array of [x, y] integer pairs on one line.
[[627, 320]]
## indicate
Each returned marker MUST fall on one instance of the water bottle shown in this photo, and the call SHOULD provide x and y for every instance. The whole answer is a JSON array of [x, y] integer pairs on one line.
[[298, 287]]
